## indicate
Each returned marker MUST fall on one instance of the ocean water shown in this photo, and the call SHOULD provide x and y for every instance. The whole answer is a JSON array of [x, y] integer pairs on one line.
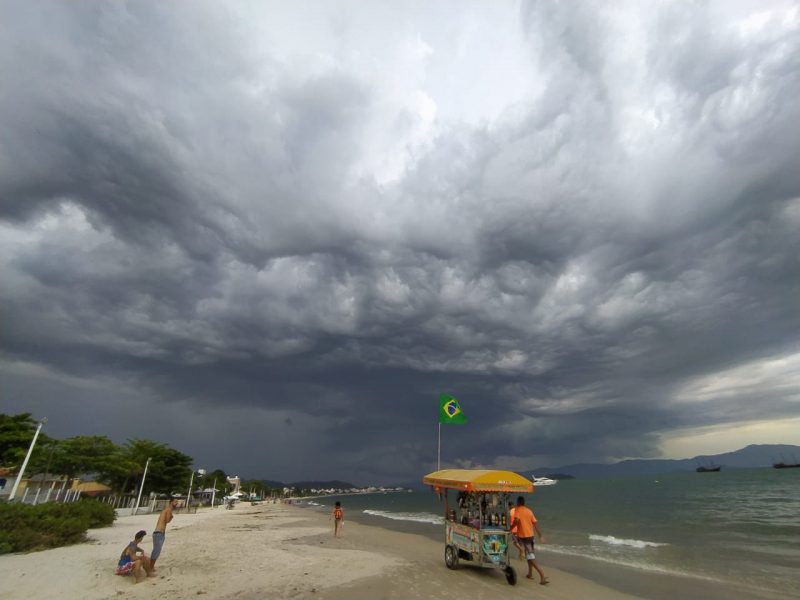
[[739, 526]]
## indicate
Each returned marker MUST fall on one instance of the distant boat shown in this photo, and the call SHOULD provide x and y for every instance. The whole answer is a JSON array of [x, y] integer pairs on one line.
[[702, 469], [783, 465], [543, 481]]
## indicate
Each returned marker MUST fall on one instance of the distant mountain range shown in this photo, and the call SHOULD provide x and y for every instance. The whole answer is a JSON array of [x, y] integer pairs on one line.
[[755, 455]]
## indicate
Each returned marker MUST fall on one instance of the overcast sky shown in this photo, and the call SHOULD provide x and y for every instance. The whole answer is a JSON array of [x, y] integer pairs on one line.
[[270, 235]]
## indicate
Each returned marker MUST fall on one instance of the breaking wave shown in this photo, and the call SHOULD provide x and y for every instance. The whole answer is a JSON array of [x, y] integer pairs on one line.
[[613, 541], [416, 517]]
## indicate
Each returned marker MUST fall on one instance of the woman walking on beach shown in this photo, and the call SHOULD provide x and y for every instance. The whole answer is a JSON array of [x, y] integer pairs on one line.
[[338, 518]]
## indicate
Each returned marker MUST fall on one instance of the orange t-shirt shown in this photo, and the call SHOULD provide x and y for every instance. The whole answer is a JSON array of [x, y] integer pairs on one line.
[[511, 514], [526, 521]]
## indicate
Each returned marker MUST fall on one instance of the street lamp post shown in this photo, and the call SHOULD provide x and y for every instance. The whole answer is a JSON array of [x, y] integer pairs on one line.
[[141, 487], [191, 481], [27, 458], [189, 494]]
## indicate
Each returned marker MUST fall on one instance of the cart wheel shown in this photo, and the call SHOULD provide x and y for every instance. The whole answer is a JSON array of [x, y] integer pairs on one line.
[[451, 557], [511, 576]]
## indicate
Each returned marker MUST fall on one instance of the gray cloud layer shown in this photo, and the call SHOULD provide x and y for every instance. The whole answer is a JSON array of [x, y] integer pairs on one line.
[[215, 233]]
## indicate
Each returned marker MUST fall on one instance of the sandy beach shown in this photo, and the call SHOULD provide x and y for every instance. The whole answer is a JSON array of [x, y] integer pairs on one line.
[[279, 551]]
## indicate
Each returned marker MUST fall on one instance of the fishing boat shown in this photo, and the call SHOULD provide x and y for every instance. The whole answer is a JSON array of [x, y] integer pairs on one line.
[[709, 469], [783, 465]]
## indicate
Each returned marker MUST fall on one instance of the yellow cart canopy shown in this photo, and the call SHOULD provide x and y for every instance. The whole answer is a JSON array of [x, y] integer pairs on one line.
[[473, 480]]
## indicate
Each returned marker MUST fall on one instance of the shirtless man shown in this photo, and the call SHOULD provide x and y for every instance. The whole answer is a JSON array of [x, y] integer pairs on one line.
[[160, 530]]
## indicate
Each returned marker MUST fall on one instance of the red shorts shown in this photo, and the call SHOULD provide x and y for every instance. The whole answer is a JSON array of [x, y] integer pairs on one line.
[[125, 569]]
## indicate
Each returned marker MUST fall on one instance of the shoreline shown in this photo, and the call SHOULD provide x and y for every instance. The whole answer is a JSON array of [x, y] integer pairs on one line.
[[288, 551], [624, 579]]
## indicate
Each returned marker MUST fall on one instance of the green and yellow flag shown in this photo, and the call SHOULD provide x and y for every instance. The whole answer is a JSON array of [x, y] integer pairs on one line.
[[450, 412]]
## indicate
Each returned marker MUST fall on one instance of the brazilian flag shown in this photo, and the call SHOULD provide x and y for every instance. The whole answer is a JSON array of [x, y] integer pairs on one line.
[[450, 412]]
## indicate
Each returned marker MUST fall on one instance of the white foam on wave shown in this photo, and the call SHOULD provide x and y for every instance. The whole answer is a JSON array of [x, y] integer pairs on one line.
[[407, 516], [635, 564], [614, 541]]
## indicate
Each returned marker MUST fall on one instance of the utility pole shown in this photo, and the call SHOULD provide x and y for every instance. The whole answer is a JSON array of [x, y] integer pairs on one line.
[[25, 462]]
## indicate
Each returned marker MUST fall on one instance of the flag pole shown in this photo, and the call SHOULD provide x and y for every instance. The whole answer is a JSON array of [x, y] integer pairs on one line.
[[439, 450]]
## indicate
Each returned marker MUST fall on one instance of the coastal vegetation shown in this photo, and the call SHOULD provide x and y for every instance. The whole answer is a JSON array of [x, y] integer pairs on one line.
[[51, 524]]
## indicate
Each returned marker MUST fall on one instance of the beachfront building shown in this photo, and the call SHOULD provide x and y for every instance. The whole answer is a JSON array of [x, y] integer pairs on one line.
[[46, 487], [205, 496], [37, 488], [92, 489]]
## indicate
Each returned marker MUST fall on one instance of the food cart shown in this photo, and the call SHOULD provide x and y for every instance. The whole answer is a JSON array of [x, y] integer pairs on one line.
[[476, 517]]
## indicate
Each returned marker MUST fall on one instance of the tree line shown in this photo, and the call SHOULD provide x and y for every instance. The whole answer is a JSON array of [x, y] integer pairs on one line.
[[120, 466]]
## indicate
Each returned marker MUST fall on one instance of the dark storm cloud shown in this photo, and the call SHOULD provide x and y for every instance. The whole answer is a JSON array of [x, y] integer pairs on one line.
[[186, 218]]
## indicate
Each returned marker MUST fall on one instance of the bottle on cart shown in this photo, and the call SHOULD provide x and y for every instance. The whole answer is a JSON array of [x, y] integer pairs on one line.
[[503, 520]]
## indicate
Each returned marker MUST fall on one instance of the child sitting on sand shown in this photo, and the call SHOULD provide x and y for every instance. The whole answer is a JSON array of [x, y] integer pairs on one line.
[[338, 518], [133, 559]]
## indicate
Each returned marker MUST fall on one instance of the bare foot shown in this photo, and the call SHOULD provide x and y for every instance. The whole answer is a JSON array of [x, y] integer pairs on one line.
[[544, 582], [529, 576]]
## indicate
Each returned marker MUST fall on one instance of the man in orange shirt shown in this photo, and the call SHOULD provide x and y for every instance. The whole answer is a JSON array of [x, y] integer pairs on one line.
[[513, 529], [526, 524]]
